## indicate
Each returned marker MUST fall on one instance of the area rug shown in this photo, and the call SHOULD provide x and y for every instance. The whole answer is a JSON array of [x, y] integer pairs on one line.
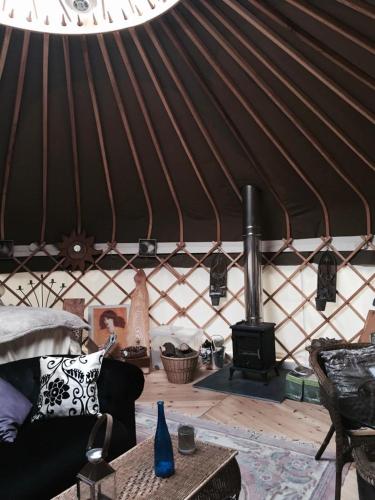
[[254, 388], [271, 468]]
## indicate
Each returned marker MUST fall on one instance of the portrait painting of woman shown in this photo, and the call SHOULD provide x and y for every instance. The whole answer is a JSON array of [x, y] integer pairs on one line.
[[104, 321]]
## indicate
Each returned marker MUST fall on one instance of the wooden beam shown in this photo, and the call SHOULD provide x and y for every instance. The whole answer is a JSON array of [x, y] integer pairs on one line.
[[4, 49], [13, 130], [333, 24], [190, 105], [127, 129], [151, 129], [282, 106], [177, 129], [300, 59], [313, 107], [183, 55], [317, 45], [99, 129], [361, 7], [73, 132], [230, 84], [45, 135]]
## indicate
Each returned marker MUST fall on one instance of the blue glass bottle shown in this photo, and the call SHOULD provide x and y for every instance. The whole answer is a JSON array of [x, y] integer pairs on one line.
[[163, 451]]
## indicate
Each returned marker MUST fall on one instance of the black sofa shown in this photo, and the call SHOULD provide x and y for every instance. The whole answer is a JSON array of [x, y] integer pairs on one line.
[[47, 454]]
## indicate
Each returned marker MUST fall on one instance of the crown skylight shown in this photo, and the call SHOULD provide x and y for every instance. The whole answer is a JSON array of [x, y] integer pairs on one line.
[[80, 16]]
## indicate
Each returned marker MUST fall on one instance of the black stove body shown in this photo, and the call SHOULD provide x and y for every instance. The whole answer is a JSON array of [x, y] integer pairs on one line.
[[253, 340], [253, 348]]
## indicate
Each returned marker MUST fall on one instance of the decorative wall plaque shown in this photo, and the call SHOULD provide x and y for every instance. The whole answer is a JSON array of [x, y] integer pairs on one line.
[[6, 249], [77, 250], [327, 270], [147, 248], [218, 278]]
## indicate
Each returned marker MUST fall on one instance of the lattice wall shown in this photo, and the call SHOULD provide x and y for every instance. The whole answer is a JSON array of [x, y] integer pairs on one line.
[[179, 295]]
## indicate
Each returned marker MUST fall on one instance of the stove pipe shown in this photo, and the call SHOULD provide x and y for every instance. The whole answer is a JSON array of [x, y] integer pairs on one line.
[[253, 259]]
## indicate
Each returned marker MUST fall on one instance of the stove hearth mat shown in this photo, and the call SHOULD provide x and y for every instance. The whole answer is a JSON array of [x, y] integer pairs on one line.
[[249, 387]]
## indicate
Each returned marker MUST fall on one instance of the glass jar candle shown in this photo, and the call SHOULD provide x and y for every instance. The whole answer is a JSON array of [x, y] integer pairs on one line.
[[186, 439]]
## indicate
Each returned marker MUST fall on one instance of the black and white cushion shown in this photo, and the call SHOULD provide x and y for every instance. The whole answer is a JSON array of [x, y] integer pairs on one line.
[[68, 386]]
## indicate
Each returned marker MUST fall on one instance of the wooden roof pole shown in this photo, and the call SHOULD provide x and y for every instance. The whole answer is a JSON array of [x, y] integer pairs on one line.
[[177, 130], [317, 45], [13, 130], [357, 5], [4, 49], [190, 105], [334, 24], [255, 116], [127, 130], [99, 129], [147, 117], [45, 135], [73, 132], [313, 107], [284, 109], [298, 57], [182, 54]]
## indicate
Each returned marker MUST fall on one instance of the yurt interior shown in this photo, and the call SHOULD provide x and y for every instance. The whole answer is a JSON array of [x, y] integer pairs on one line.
[[187, 259]]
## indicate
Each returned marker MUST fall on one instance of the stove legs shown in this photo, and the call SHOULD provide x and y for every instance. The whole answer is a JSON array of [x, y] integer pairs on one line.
[[263, 373]]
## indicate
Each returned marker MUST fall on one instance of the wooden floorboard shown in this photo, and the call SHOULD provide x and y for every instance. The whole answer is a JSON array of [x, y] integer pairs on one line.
[[293, 420]]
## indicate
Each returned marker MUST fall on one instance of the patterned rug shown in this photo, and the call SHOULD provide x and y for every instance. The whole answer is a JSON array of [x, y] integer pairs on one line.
[[271, 468]]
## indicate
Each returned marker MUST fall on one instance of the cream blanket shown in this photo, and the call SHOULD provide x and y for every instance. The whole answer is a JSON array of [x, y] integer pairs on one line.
[[26, 332]]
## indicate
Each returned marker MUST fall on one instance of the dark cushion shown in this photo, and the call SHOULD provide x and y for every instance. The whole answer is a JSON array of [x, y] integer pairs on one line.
[[352, 372], [47, 455], [14, 408], [348, 369]]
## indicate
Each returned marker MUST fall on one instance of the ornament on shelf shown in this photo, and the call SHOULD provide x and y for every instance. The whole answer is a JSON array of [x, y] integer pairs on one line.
[[147, 247], [77, 250]]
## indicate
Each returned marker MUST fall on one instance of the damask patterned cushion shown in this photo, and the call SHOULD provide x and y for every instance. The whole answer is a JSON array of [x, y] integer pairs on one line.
[[68, 386]]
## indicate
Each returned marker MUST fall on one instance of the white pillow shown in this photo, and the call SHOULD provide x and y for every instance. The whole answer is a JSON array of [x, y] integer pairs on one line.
[[68, 386], [16, 321]]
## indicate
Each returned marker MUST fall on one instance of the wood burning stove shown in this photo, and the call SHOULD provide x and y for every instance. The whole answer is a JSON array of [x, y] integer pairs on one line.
[[253, 340]]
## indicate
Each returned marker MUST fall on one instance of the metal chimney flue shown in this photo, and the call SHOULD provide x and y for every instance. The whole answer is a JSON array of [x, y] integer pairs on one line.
[[253, 259], [253, 340]]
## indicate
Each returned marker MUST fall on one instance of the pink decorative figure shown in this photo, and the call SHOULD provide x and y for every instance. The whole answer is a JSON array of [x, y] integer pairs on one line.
[[139, 323]]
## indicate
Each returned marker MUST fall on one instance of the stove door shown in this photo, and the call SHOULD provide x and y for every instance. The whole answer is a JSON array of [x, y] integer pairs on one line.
[[247, 350]]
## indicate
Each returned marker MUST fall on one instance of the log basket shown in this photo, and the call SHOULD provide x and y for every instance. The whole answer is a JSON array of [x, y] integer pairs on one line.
[[180, 370]]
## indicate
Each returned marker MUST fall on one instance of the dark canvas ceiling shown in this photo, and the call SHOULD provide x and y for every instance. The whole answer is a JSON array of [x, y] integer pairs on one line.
[[153, 131]]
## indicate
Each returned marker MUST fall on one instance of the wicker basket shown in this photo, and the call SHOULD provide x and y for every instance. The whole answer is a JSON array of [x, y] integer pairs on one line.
[[180, 370]]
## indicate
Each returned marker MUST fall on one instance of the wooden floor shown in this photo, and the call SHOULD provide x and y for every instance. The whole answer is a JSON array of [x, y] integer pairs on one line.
[[296, 421]]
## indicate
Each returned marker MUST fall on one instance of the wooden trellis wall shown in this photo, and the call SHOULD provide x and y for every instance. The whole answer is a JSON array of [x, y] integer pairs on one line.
[[179, 295]]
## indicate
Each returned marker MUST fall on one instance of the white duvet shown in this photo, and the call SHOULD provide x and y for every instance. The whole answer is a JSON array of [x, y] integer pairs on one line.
[[26, 332]]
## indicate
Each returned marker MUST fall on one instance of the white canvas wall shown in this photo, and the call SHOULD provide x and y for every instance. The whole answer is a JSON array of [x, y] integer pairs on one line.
[[347, 321]]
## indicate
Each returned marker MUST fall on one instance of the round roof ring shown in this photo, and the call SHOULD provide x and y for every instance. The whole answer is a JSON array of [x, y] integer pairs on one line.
[[82, 5], [73, 17]]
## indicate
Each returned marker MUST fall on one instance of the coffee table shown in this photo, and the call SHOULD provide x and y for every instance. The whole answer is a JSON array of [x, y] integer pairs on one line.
[[211, 473]]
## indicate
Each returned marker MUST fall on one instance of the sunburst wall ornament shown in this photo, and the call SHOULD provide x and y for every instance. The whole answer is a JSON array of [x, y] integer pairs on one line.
[[77, 250], [70, 17]]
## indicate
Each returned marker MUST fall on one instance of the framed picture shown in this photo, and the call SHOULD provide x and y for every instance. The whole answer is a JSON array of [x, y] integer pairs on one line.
[[105, 320], [147, 248], [6, 249]]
